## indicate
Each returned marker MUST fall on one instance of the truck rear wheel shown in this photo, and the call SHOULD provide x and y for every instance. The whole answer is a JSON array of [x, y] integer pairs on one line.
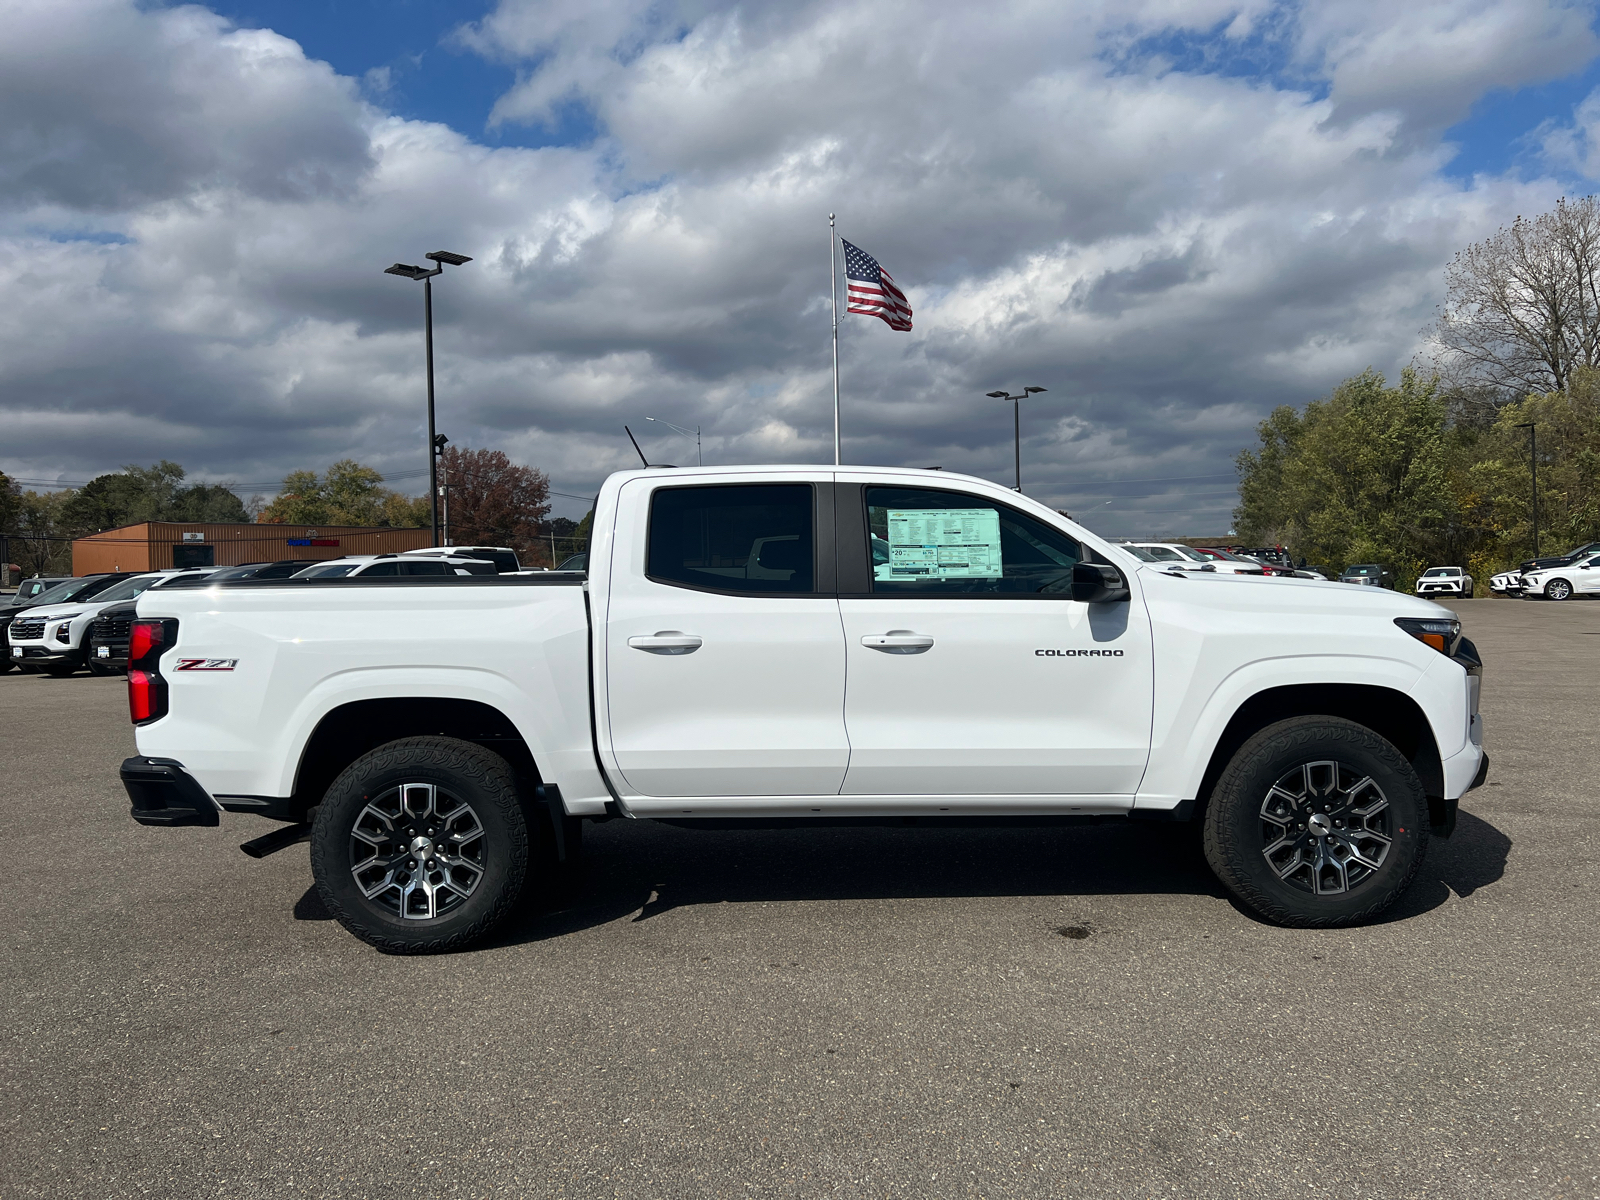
[[1317, 822], [421, 846]]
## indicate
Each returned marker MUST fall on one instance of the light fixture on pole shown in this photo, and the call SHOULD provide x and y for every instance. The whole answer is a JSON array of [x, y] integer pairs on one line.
[[686, 432], [1016, 421], [1533, 466], [439, 443], [439, 258]]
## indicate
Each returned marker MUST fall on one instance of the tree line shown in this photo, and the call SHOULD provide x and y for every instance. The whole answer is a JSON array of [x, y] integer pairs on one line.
[[1438, 471], [490, 501]]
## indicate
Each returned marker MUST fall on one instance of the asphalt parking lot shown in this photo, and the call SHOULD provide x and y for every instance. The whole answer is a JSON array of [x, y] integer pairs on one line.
[[818, 1013]]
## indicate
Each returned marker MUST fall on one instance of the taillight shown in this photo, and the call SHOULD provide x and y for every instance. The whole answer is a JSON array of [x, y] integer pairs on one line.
[[147, 691]]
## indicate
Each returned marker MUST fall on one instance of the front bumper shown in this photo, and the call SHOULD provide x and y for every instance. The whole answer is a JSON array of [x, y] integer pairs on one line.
[[1441, 590], [39, 654], [109, 654], [163, 793]]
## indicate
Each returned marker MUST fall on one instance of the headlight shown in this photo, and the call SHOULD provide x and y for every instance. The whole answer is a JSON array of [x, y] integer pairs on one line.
[[1439, 632]]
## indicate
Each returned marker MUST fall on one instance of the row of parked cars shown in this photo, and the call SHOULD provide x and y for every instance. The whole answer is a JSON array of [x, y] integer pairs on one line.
[[1556, 577], [58, 626]]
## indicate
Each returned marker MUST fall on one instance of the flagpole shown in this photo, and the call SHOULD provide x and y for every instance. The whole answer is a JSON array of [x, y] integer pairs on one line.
[[833, 277]]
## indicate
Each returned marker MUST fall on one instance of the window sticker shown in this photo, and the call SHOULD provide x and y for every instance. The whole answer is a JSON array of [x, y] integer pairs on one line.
[[941, 543]]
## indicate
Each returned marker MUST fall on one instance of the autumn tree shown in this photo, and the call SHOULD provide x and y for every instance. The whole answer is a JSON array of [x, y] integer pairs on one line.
[[495, 502], [349, 494], [1522, 309]]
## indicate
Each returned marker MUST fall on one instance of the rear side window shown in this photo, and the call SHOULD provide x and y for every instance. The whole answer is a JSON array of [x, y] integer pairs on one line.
[[927, 542], [379, 569], [423, 566], [734, 538]]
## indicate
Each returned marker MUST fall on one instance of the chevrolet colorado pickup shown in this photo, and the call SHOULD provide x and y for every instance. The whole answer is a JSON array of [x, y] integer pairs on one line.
[[803, 644]]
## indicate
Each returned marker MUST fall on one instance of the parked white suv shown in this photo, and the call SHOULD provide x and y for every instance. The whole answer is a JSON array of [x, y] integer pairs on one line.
[[1445, 581], [54, 639], [504, 558], [1581, 578], [377, 566], [1173, 556], [1507, 583]]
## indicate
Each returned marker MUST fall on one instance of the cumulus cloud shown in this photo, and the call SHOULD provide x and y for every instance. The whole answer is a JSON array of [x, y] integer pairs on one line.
[[199, 216]]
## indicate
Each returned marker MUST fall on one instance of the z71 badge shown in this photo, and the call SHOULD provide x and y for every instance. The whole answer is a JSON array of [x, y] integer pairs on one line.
[[206, 664]]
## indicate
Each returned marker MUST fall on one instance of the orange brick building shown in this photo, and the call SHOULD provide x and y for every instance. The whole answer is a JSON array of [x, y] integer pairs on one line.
[[157, 545]]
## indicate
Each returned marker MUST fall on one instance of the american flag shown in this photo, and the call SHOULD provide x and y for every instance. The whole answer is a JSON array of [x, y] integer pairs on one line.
[[872, 292]]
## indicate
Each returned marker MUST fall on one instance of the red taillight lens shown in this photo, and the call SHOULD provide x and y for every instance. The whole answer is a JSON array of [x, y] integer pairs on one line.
[[145, 690], [146, 636]]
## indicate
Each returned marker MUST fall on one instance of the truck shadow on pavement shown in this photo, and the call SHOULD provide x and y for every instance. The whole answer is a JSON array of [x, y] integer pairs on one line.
[[643, 870]]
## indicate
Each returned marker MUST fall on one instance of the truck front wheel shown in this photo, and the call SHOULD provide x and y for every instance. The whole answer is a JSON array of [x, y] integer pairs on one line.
[[421, 846], [1317, 822]]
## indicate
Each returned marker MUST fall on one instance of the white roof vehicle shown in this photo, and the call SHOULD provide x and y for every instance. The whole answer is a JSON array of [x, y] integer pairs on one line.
[[1172, 556], [1506, 583], [53, 638], [504, 558], [1445, 581], [1581, 578], [378, 566], [794, 644]]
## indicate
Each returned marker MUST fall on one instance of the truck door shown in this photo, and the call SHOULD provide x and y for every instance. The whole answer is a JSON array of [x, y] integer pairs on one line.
[[724, 656], [971, 670]]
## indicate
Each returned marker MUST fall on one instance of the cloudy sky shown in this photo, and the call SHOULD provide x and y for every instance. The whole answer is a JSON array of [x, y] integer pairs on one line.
[[1173, 215]]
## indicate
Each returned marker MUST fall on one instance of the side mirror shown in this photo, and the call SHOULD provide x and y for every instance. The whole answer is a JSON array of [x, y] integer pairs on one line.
[[1097, 583]]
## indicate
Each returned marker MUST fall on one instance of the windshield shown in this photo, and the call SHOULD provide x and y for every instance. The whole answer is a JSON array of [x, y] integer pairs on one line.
[[1140, 553], [63, 591], [1160, 554], [1435, 572], [127, 589], [1227, 556], [333, 571], [1369, 569]]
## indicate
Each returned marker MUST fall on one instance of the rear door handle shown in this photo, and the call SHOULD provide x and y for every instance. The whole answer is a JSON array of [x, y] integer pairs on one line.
[[666, 641], [898, 641]]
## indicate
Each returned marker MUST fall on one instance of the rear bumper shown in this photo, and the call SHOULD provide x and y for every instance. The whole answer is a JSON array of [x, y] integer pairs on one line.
[[163, 793]]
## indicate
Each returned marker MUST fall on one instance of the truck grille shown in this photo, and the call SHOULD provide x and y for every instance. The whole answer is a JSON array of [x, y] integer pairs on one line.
[[22, 631], [112, 628]]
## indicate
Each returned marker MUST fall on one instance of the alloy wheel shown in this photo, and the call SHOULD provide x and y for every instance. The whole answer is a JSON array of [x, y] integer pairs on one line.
[[1558, 589], [1325, 828], [417, 851]]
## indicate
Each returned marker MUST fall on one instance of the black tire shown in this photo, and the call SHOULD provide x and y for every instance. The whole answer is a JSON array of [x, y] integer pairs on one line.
[[467, 895], [1558, 589], [1469, 592], [1358, 790]]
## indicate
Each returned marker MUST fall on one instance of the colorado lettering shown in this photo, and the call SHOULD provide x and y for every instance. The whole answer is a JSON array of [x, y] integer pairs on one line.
[[1078, 653]]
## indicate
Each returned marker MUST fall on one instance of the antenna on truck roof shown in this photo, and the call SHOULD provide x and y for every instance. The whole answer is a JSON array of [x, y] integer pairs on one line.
[[648, 464], [635, 442]]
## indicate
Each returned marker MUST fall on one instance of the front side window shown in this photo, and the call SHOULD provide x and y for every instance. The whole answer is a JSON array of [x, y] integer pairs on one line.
[[927, 542], [421, 567], [736, 538]]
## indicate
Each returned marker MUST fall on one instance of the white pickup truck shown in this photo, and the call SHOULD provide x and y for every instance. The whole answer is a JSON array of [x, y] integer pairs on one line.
[[806, 644]]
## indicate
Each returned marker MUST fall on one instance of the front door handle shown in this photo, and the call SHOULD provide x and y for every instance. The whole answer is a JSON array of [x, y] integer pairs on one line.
[[666, 641], [898, 641]]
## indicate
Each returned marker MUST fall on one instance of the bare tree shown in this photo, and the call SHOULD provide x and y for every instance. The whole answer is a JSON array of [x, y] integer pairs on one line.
[[1522, 308]]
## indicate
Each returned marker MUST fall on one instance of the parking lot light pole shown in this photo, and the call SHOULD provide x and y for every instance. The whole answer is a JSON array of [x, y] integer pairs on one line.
[[1016, 421], [439, 258], [686, 432], [1533, 466]]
